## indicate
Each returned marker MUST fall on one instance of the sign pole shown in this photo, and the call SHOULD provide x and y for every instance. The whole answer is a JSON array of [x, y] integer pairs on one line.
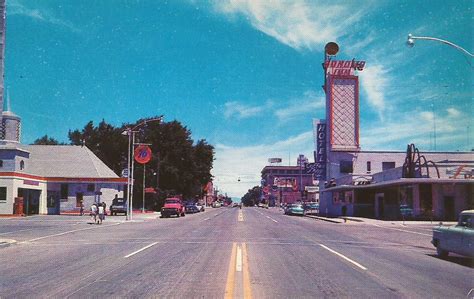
[[143, 206]]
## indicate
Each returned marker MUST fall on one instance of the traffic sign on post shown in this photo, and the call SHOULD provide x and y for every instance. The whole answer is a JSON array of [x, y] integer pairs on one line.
[[142, 154]]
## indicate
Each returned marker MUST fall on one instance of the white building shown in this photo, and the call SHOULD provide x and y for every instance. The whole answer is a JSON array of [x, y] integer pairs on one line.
[[380, 184], [54, 179]]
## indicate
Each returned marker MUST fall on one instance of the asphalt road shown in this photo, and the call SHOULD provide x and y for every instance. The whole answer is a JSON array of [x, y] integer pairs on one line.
[[225, 252]]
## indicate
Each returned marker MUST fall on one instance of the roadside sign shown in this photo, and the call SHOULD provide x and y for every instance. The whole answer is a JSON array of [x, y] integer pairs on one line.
[[142, 154], [125, 173]]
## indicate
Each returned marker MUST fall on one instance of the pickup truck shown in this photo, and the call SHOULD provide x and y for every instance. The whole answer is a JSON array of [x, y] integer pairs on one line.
[[173, 206], [458, 238]]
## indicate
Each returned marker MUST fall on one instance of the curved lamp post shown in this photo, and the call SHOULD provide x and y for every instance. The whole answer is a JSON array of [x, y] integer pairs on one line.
[[130, 163], [411, 42]]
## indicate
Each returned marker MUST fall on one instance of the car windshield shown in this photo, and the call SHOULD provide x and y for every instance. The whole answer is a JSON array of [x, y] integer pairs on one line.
[[249, 148]]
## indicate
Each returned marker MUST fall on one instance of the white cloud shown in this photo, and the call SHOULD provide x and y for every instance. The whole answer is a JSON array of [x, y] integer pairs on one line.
[[298, 24], [453, 112], [15, 7], [307, 105], [247, 162], [240, 111], [416, 127], [375, 80]]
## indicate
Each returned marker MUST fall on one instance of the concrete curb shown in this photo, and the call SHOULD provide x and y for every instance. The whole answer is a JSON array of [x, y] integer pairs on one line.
[[6, 242], [333, 220], [352, 219]]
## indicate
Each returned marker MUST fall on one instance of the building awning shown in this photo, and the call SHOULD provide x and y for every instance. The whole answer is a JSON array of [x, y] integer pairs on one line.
[[398, 182]]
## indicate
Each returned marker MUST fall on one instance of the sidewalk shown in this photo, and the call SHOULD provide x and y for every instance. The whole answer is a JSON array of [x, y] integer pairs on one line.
[[349, 219]]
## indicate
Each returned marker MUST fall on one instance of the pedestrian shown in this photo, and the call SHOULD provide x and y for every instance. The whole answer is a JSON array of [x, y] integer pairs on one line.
[[93, 213], [81, 211], [101, 214], [105, 209]]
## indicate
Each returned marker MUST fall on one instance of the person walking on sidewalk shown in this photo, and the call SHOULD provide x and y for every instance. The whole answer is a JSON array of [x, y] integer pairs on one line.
[[93, 213], [101, 213]]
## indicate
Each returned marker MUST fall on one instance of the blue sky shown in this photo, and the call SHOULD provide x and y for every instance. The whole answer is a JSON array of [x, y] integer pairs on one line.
[[243, 74]]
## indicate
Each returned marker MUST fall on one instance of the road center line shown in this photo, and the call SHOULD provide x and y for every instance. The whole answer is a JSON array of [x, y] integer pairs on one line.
[[344, 257], [402, 230], [229, 287], [140, 250], [68, 232], [241, 216], [246, 274], [238, 263]]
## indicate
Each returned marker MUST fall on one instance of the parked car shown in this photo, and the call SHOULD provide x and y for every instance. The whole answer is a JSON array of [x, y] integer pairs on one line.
[[294, 209], [216, 204], [200, 206], [173, 206], [311, 208], [119, 205], [457, 238], [191, 208]]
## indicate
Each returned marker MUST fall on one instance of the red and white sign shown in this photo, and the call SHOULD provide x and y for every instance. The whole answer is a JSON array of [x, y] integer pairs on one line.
[[142, 154], [343, 67]]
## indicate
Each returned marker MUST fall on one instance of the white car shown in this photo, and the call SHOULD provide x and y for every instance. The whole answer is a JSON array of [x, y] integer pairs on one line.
[[200, 207]]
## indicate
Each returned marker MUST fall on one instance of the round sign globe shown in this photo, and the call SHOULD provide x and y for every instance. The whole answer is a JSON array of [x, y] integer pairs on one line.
[[142, 154]]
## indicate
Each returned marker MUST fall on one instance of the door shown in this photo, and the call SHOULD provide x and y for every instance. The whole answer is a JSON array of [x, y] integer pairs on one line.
[[449, 208], [380, 207], [468, 235]]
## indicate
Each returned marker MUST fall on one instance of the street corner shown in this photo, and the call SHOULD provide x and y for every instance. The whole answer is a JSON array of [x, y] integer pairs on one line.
[[6, 242]]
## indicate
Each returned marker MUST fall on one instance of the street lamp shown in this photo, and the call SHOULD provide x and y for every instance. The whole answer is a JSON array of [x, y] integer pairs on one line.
[[411, 42], [131, 142]]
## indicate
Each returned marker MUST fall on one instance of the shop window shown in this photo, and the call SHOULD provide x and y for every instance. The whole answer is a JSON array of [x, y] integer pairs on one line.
[[3, 194], [90, 187], [64, 191], [22, 165], [345, 167], [387, 165], [369, 166]]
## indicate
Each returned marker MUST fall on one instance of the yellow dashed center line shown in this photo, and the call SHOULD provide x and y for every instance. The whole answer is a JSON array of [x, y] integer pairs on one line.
[[238, 272], [229, 287], [246, 274]]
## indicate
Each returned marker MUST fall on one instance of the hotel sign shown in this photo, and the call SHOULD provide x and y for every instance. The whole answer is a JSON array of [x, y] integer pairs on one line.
[[343, 67], [320, 154]]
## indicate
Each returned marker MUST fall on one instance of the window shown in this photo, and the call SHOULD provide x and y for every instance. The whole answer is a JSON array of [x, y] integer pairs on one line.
[[345, 167], [90, 187], [369, 168], [3, 193], [1, 163], [64, 191], [387, 165], [22, 165]]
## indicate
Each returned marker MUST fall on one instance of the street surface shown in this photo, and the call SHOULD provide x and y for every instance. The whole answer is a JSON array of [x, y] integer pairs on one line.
[[225, 252]]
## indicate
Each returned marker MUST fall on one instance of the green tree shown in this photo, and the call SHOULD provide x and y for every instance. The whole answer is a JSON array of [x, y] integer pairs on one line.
[[45, 140], [252, 196], [178, 166]]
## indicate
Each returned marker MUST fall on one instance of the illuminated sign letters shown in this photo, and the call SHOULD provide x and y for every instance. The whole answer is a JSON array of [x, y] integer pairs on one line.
[[320, 158]]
